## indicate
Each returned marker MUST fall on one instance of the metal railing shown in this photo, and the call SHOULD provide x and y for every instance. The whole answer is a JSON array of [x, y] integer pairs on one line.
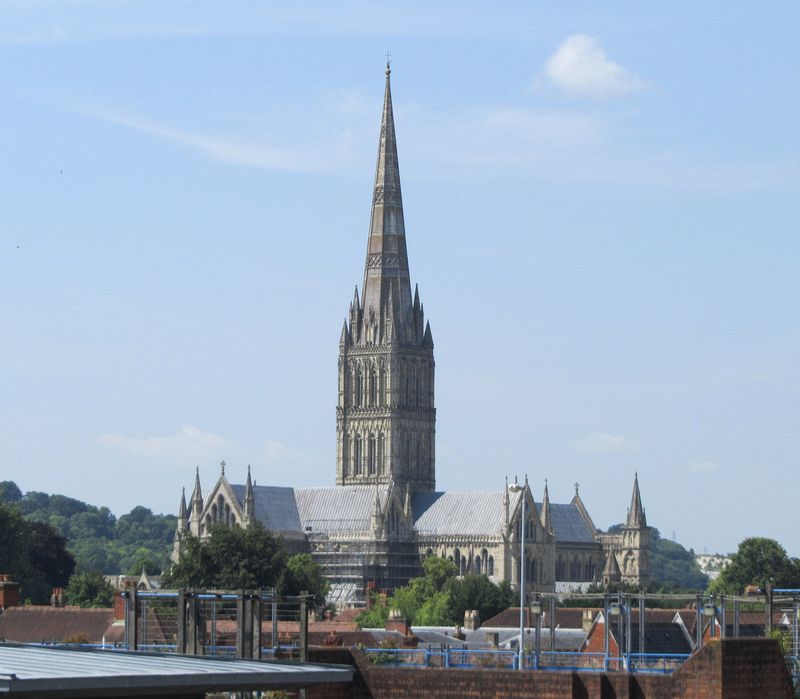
[[555, 661]]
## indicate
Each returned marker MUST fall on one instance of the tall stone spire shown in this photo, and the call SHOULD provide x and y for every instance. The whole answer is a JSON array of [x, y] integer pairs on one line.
[[385, 415], [386, 272], [636, 515]]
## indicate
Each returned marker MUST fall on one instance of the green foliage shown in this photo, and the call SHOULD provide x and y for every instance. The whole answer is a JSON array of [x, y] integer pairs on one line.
[[89, 589], [673, 568], [302, 574], [9, 492], [373, 618], [440, 597], [98, 540], [758, 561], [230, 559], [34, 554]]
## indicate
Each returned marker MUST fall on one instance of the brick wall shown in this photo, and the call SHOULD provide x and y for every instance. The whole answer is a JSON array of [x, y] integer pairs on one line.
[[723, 669]]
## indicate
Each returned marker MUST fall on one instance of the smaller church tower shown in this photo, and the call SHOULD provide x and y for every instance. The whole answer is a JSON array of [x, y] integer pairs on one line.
[[182, 528], [635, 551]]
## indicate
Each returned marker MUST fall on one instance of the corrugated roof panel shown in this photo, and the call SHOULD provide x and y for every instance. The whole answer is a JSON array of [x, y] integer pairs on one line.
[[470, 513], [340, 508]]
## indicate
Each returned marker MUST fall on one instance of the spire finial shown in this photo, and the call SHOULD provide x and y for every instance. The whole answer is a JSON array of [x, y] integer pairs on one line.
[[222, 467], [577, 486], [388, 63]]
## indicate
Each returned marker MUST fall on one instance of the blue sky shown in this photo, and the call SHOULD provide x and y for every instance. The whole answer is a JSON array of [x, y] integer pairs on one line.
[[601, 207]]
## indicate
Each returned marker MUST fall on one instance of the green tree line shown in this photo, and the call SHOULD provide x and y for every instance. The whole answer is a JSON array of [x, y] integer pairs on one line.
[[96, 539]]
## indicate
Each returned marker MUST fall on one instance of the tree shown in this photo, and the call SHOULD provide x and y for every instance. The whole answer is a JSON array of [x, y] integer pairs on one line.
[[674, 568], [9, 492], [758, 561], [440, 597], [89, 589], [34, 554], [230, 559], [302, 574]]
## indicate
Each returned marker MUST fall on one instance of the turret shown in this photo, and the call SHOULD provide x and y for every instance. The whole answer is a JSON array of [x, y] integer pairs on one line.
[[249, 499], [546, 518], [196, 505], [183, 516]]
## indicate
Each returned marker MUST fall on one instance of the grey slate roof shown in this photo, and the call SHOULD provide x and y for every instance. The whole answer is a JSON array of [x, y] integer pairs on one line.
[[275, 507], [467, 513], [568, 525]]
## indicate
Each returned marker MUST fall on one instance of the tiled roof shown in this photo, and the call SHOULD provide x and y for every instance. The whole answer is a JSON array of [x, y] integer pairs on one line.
[[468, 513], [35, 624], [566, 618], [568, 524]]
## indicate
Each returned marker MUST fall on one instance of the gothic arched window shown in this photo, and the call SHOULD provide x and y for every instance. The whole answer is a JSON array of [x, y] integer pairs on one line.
[[380, 452], [491, 565], [373, 387], [356, 455], [371, 456], [358, 390]]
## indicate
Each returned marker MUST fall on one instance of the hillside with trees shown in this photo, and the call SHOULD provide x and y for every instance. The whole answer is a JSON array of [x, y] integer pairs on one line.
[[96, 539]]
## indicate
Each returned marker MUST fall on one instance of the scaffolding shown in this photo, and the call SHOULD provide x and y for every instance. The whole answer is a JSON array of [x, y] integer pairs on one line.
[[353, 560], [245, 624]]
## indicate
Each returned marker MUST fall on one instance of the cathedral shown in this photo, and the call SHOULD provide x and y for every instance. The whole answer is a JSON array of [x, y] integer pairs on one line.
[[373, 529]]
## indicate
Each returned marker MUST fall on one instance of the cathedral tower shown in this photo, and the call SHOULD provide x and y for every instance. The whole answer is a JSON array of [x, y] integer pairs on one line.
[[385, 417]]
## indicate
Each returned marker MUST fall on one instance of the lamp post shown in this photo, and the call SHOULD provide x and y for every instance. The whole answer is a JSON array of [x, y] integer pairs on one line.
[[517, 488]]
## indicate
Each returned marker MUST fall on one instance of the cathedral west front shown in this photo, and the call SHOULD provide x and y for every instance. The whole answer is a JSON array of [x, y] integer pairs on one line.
[[384, 515]]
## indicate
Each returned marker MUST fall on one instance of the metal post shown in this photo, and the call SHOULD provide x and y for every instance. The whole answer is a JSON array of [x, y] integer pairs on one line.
[[628, 634], [606, 622], [723, 617], [257, 612], [522, 586], [180, 618], [538, 641], [642, 622], [132, 620], [552, 622], [698, 623], [769, 609], [736, 618], [713, 619], [303, 630], [274, 628]]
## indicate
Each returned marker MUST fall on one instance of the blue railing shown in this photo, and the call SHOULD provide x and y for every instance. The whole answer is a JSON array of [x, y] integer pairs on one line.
[[553, 661]]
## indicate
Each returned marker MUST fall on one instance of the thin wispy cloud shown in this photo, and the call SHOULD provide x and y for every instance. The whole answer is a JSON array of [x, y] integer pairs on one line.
[[603, 442], [278, 454], [189, 444], [581, 67], [234, 151], [703, 467]]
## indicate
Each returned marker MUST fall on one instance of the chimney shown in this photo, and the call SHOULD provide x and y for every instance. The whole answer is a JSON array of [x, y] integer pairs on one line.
[[472, 619], [119, 606], [586, 620], [57, 597], [397, 622], [9, 592]]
